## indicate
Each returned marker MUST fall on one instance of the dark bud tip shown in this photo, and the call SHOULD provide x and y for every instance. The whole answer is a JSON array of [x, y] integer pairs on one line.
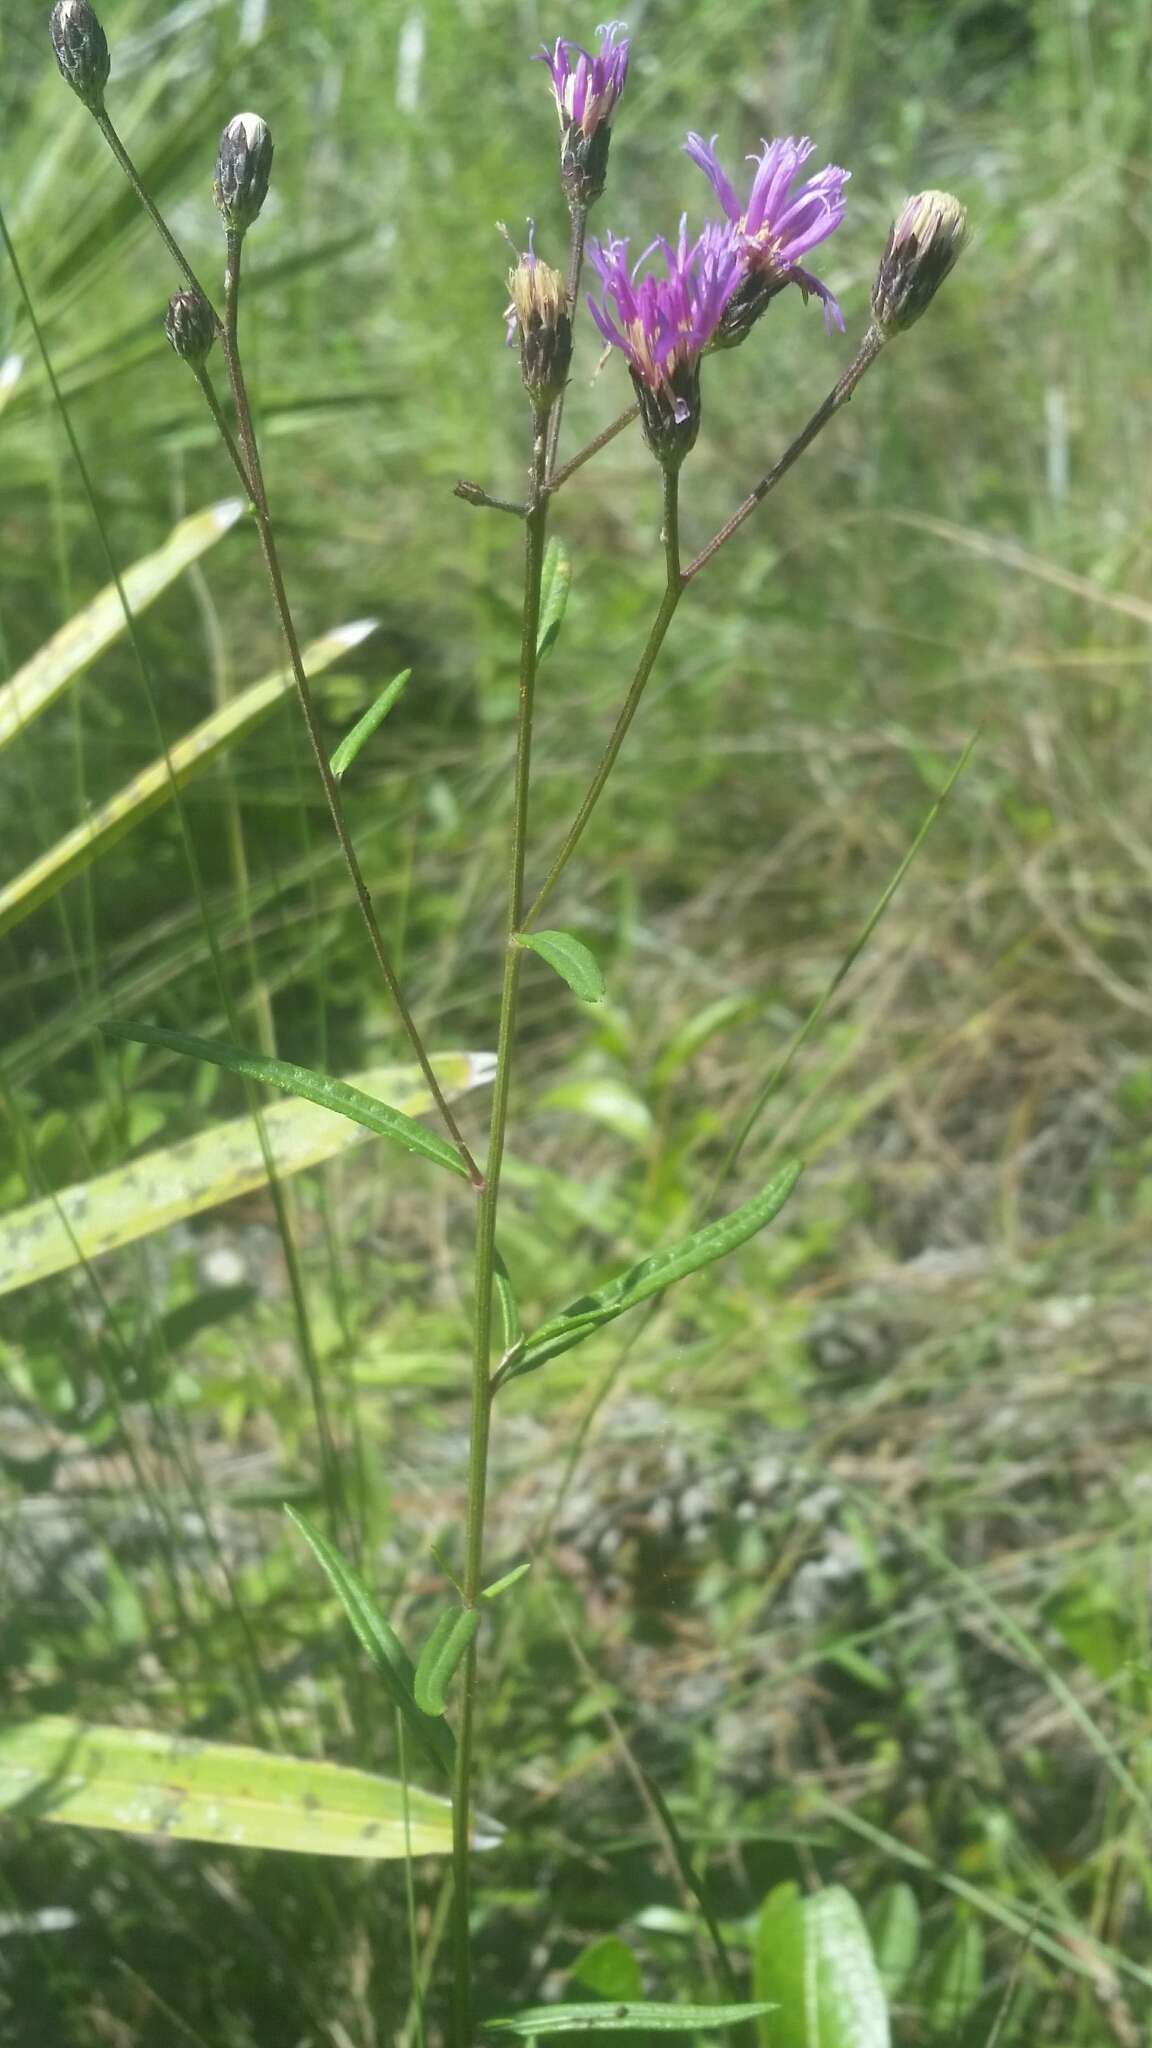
[[539, 313], [243, 169], [81, 51], [924, 243], [670, 415], [190, 326]]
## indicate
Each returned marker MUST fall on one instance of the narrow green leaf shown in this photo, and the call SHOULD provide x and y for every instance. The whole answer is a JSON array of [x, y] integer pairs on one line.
[[814, 1959], [511, 1334], [511, 1578], [176, 1181], [154, 785], [364, 728], [590, 1312], [338, 1096], [894, 1924], [555, 584], [140, 1781], [446, 1646], [571, 960], [75, 647], [381, 1642], [629, 2018]]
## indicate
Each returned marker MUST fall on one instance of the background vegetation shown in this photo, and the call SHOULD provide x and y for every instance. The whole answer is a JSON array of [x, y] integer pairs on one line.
[[847, 1549]]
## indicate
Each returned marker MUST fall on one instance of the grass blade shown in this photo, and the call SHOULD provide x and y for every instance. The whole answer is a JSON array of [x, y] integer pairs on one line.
[[624, 2019], [155, 784], [76, 646], [176, 1181], [139, 1781]]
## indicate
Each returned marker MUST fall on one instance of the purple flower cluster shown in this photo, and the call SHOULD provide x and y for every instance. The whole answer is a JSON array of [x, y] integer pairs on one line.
[[664, 324], [776, 226], [586, 87]]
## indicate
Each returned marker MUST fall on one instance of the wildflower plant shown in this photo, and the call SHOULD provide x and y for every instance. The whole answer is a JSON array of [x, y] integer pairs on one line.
[[670, 313]]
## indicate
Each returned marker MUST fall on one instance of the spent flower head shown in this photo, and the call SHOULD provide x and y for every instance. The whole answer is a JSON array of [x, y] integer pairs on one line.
[[664, 324], [778, 224], [586, 88], [538, 317], [924, 242], [243, 169], [81, 51], [190, 325]]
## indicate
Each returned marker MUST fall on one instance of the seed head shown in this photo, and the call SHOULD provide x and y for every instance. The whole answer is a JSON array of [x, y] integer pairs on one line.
[[81, 51], [190, 326], [539, 319], [924, 242], [243, 168]]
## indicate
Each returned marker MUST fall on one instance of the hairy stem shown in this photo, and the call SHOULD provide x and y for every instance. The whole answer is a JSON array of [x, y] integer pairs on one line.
[[866, 355], [536, 525], [252, 465], [673, 591]]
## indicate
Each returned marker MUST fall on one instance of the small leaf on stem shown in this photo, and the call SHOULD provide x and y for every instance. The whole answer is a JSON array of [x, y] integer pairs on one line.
[[555, 584], [445, 1649], [375, 715], [571, 960]]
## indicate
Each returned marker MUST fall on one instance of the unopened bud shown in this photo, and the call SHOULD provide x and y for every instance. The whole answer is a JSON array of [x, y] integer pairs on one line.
[[538, 316], [243, 168], [924, 242], [190, 325], [81, 51]]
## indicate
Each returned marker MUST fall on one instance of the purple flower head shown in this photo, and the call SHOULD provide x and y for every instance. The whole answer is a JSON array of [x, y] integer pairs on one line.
[[538, 318], [586, 87], [664, 324], [777, 226]]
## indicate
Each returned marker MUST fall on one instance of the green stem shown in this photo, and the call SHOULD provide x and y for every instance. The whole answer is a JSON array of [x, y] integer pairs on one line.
[[673, 592], [104, 123], [252, 466], [535, 529]]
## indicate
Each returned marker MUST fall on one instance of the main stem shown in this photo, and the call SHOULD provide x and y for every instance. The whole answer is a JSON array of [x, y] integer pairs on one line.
[[255, 473], [673, 591], [536, 524]]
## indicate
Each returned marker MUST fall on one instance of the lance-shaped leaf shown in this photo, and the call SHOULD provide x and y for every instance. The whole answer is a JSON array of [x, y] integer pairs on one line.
[[813, 1958], [340, 1096], [589, 1312], [175, 1181], [445, 1649], [382, 1644], [155, 784], [555, 584], [364, 727], [139, 1781], [634, 2018], [75, 647], [571, 960]]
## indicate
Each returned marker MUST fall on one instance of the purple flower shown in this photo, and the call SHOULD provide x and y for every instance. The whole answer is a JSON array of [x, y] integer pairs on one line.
[[664, 324], [777, 226], [586, 87]]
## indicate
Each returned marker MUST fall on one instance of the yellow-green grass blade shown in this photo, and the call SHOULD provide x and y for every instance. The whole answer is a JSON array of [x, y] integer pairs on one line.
[[176, 1181], [154, 785], [140, 1781], [75, 647]]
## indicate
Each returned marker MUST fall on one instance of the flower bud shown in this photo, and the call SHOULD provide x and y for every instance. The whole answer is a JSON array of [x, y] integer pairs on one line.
[[190, 325], [538, 316], [81, 51], [924, 242], [243, 168]]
